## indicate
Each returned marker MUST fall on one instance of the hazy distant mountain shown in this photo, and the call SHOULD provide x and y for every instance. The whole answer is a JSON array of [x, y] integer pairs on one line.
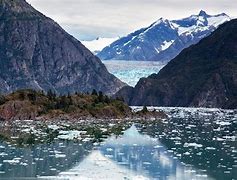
[[203, 75], [164, 39], [98, 44], [35, 52]]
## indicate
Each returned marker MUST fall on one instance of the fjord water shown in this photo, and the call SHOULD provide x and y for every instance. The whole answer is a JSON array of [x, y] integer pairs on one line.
[[190, 144]]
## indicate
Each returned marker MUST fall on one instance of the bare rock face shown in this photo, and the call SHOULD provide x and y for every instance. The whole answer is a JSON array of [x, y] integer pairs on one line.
[[36, 53], [203, 75]]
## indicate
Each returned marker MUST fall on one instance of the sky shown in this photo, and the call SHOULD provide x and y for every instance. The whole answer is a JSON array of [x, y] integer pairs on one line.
[[89, 19]]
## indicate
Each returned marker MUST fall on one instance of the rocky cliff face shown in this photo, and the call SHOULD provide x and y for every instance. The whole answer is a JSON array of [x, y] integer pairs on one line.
[[35, 52], [164, 39], [204, 75]]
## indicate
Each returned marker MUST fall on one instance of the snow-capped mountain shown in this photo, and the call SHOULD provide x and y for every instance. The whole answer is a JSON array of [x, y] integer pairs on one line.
[[203, 75], [164, 39], [98, 44]]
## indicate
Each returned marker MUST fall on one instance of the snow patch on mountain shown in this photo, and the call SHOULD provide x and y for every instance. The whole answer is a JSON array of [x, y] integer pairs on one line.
[[166, 44]]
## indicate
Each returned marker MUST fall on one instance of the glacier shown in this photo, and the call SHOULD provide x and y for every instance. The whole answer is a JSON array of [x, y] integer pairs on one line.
[[131, 71]]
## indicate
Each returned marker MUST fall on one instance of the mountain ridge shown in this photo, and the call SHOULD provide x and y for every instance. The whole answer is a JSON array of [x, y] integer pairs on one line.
[[164, 39]]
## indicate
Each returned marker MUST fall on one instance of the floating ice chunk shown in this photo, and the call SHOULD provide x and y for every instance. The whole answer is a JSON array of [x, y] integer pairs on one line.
[[218, 139], [3, 154], [53, 169], [146, 163], [193, 145], [223, 123], [23, 164], [53, 127], [13, 161], [70, 135], [60, 155], [187, 153], [103, 129], [109, 149], [210, 148], [229, 138], [158, 146]]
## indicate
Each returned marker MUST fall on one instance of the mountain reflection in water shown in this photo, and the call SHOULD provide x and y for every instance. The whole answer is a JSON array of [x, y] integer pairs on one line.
[[132, 156]]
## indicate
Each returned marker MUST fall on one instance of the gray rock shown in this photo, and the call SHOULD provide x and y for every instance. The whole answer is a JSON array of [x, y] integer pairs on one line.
[[35, 52]]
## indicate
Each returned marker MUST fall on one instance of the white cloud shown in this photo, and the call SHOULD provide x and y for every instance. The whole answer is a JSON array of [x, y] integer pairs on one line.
[[87, 19]]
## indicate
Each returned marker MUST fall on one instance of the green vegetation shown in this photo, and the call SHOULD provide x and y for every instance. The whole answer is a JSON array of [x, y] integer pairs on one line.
[[4, 137], [29, 139], [30, 104]]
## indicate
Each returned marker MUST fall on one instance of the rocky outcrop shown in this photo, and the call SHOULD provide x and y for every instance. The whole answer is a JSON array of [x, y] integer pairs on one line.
[[21, 110], [203, 75], [36, 53], [34, 105]]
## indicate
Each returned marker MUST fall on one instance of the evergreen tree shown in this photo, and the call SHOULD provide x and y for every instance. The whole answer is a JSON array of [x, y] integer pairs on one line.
[[51, 95], [120, 99], [68, 95], [107, 99], [22, 96], [94, 93], [144, 110], [63, 102], [32, 96], [2, 99], [101, 97]]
